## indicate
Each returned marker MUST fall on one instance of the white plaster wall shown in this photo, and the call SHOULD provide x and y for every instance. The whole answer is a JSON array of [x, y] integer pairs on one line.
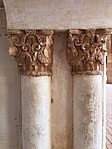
[[61, 107], [10, 114], [58, 14]]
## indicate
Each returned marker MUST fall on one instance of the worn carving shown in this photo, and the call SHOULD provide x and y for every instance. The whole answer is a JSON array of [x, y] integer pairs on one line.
[[32, 50], [86, 49]]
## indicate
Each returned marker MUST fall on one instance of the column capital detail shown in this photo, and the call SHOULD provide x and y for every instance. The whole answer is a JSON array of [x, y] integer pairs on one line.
[[86, 50], [33, 51]]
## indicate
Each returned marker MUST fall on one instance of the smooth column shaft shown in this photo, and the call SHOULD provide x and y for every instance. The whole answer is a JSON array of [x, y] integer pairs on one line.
[[36, 98], [87, 111], [104, 79]]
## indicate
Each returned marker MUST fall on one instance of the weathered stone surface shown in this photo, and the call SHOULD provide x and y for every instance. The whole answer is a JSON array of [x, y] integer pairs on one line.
[[36, 103], [10, 101], [1, 4], [87, 107], [61, 107], [86, 50], [109, 72], [32, 49], [3, 24], [53, 14], [109, 65]]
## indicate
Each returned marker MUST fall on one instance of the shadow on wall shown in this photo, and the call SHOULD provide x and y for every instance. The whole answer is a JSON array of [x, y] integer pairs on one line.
[[10, 103], [61, 107]]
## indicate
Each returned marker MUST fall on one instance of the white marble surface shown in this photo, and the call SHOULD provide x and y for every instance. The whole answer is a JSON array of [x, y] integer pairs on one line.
[[87, 115], [36, 123], [104, 80]]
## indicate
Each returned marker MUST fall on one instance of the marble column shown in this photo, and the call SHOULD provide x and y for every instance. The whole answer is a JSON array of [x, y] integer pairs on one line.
[[85, 53], [32, 49], [104, 79]]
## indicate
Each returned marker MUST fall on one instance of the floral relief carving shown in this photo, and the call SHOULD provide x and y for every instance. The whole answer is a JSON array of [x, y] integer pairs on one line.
[[32, 49], [86, 49]]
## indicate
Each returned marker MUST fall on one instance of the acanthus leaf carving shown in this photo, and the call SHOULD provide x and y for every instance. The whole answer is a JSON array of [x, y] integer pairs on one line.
[[33, 51], [86, 49]]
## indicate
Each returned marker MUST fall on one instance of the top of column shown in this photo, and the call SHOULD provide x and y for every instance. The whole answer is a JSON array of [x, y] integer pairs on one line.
[[32, 49], [86, 50]]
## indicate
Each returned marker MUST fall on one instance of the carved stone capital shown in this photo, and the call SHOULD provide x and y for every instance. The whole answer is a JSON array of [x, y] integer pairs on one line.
[[86, 50], [32, 49]]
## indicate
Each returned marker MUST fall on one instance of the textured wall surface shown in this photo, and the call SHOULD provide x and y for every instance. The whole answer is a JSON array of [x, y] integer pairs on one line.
[[61, 107], [60, 14], [3, 25], [2, 21], [10, 106], [109, 73], [109, 67]]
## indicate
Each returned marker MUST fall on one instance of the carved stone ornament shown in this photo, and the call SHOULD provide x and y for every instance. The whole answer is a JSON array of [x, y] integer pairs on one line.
[[32, 49], [86, 50]]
